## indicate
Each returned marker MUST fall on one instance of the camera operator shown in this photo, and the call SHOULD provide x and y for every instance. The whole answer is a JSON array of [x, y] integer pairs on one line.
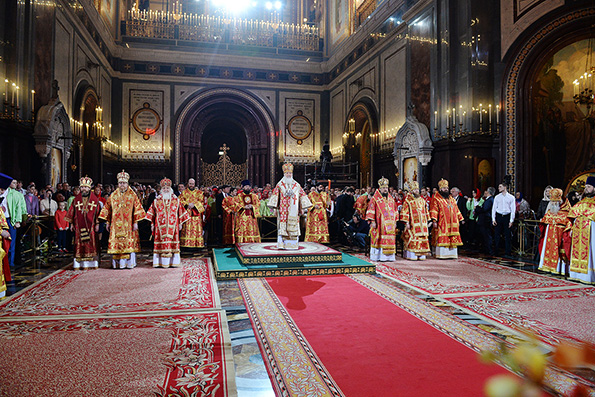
[[358, 230]]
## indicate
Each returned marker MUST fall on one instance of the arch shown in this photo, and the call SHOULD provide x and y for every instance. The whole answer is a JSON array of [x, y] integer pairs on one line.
[[545, 37], [87, 157], [360, 149], [413, 142], [212, 104]]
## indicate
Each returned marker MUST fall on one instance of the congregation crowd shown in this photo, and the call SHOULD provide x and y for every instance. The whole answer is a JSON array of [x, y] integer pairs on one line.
[[89, 217]]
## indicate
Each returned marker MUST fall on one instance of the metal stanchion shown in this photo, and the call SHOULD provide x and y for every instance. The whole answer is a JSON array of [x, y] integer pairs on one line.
[[40, 250]]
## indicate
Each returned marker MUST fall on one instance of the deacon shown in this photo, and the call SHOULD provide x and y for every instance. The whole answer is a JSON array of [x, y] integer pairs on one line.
[[553, 244], [289, 200], [361, 204], [193, 200], [82, 216], [583, 235], [247, 209], [4, 234], [445, 216], [122, 212], [167, 216], [415, 216], [228, 209], [383, 215], [317, 223]]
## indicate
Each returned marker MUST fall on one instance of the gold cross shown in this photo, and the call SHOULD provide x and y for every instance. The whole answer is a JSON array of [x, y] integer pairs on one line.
[[92, 205], [224, 149], [79, 205]]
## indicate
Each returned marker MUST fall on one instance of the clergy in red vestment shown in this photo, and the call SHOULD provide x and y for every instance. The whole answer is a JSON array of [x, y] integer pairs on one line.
[[317, 221], [82, 216], [122, 212], [167, 215], [361, 204], [582, 214], [415, 215], [554, 227], [193, 200], [383, 215], [247, 209], [445, 216], [229, 208], [289, 201]]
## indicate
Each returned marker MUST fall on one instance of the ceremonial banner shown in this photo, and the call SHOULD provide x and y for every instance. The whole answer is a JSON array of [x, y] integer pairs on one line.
[[300, 131]]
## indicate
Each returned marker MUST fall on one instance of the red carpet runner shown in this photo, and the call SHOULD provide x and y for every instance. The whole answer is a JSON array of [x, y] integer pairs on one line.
[[363, 344]]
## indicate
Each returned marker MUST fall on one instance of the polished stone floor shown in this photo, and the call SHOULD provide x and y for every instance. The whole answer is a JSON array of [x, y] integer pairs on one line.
[[251, 375]]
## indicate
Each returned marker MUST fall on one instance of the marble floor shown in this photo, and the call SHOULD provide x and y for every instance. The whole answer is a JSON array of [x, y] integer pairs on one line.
[[251, 376]]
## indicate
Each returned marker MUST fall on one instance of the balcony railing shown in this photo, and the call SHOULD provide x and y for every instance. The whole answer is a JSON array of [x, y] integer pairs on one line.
[[208, 29]]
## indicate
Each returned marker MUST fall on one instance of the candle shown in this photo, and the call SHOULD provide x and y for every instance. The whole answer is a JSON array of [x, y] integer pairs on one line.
[[497, 114], [18, 96], [32, 101], [435, 119], [461, 114], [447, 119], [13, 90], [480, 114], [490, 114]]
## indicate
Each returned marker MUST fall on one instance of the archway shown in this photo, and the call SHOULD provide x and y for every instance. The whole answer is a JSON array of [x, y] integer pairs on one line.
[[530, 56], [358, 143], [86, 158], [234, 117]]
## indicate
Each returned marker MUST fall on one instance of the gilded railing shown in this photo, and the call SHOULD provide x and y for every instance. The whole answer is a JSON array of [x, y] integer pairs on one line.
[[234, 31]]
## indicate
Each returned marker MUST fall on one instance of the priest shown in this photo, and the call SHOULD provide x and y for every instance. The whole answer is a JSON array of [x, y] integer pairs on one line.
[[167, 216], [192, 198], [445, 216], [554, 228], [122, 212], [247, 210], [83, 218], [289, 201], [228, 207], [317, 222], [382, 214], [415, 216], [583, 235]]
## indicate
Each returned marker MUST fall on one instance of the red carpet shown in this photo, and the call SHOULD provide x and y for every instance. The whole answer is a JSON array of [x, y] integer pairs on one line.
[[368, 345], [177, 355], [109, 291]]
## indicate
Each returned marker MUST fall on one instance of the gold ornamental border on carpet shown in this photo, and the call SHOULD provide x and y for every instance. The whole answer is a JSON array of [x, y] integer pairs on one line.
[[273, 260]]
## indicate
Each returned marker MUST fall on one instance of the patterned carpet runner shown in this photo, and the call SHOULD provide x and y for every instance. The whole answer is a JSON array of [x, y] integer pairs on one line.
[[111, 332]]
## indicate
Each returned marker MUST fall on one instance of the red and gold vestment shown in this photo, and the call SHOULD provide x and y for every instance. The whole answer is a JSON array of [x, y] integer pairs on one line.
[[246, 224], [383, 211], [415, 214], [82, 215], [122, 211], [192, 230], [166, 217], [555, 237], [229, 207], [317, 222], [583, 214], [447, 215]]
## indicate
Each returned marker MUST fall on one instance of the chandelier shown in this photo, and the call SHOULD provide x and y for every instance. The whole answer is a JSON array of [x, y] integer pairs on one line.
[[583, 86]]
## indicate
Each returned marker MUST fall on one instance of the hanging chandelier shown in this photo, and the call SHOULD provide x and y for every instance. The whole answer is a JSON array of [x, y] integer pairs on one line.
[[583, 86]]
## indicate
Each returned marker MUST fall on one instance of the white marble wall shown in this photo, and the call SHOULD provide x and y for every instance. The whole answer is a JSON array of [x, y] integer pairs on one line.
[[394, 87]]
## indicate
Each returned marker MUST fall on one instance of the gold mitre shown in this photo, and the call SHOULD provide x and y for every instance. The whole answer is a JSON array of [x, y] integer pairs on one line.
[[556, 194], [86, 181], [442, 183], [382, 182], [413, 185], [165, 182], [123, 176], [287, 167]]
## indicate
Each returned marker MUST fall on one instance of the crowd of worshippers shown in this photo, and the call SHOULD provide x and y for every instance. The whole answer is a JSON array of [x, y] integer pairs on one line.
[[89, 217]]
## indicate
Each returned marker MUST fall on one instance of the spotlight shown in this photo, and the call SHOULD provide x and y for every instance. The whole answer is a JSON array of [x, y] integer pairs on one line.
[[269, 5], [278, 5]]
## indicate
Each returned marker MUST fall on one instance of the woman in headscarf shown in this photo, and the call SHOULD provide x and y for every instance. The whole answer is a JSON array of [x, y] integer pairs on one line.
[[544, 202]]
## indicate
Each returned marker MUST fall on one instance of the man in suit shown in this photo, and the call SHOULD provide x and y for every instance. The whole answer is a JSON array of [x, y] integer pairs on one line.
[[484, 220], [461, 201], [219, 197]]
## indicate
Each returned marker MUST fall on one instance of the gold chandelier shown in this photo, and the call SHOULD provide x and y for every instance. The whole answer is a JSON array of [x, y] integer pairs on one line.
[[583, 86]]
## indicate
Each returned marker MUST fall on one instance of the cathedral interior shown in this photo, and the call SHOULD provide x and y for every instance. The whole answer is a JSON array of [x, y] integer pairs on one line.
[[475, 92]]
